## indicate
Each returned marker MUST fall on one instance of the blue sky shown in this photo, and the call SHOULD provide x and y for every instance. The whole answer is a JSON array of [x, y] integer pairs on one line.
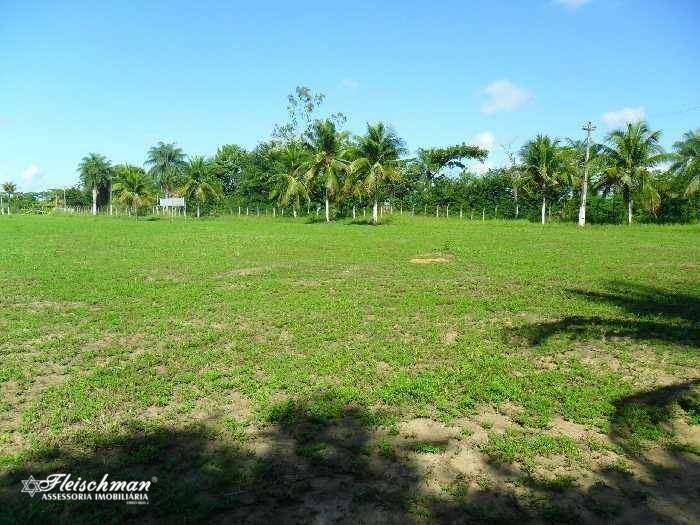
[[77, 77]]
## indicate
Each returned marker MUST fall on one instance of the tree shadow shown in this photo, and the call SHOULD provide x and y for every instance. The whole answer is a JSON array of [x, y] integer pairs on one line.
[[648, 415], [666, 484], [315, 461], [318, 460], [657, 315]]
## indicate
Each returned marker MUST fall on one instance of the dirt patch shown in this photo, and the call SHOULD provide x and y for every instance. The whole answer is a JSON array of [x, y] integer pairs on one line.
[[425, 430], [450, 337], [242, 272], [432, 259]]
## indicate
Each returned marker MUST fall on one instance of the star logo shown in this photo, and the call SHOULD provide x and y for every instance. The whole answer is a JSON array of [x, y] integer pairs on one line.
[[31, 486]]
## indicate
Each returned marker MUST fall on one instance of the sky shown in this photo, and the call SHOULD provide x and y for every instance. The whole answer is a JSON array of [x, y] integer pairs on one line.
[[116, 77]]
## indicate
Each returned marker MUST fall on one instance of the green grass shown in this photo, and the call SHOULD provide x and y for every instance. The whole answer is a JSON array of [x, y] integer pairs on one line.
[[514, 445], [112, 328]]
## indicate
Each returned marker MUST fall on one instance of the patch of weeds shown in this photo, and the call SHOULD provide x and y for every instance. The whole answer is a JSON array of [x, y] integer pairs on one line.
[[460, 490], [639, 424], [427, 447], [597, 445], [236, 429], [466, 432], [484, 483], [533, 420], [385, 449], [361, 449], [559, 483], [620, 465], [487, 424], [317, 451], [420, 508], [517, 446], [690, 403]]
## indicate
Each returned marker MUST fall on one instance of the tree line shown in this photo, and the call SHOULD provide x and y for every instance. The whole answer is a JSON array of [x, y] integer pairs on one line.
[[311, 163]]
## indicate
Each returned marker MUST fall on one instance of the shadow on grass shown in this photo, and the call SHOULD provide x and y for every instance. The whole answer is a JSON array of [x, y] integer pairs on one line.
[[648, 415], [322, 461], [658, 315]]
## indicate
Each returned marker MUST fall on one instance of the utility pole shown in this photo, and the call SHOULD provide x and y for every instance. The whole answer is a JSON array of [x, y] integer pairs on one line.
[[588, 128]]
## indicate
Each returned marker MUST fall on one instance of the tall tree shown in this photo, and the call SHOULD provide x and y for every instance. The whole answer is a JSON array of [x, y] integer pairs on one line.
[[686, 161], [228, 166], [542, 160], [289, 184], [200, 184], [433, 161], [167, 163], [133, 187], [375, 163], [302, 107], [95, 173], [10, 188], [630, 154], [327, 162], [516, 174]]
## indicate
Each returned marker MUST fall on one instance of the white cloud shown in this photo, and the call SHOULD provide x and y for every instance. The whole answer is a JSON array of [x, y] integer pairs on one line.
[[571, 4], [504, 95], [484, 140], [624, 116], [31, 173], [350, 84]]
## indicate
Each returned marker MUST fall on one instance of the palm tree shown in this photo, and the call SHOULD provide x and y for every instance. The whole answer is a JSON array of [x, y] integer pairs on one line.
[[95, 173], [167, 163], [516, 175], [542, 160], [629, 155], [686, 161], [327, 160], [133, 187], [10, 188], [200, 184], [290, 186], [376, 157]]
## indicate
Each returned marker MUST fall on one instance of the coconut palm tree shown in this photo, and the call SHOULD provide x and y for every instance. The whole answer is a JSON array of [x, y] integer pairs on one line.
[[10, 188], [630, 154], [167, 164], [133, 187], [200, 183], [686, 161], [290, 186], [543, 162], [516, 175], [95, 173], [327, 160], [375, 163]]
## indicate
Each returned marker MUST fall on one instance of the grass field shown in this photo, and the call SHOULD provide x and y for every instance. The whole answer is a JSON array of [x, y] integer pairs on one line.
[[425, 370]]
